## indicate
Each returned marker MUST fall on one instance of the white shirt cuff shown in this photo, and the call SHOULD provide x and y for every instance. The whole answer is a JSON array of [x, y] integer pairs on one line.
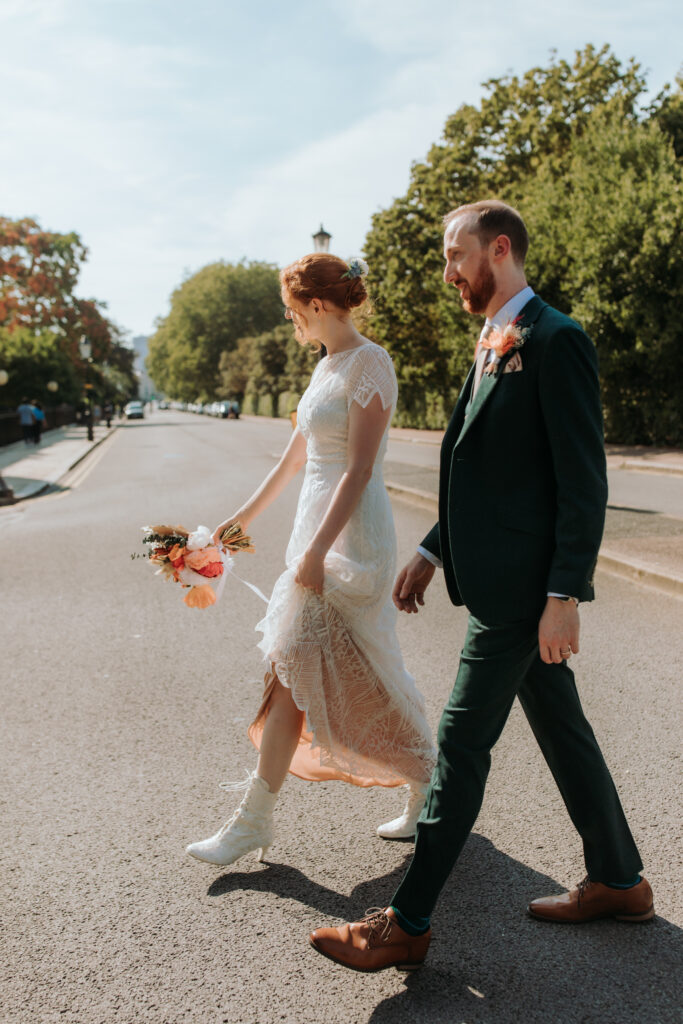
[[429, 556], [564, 597]]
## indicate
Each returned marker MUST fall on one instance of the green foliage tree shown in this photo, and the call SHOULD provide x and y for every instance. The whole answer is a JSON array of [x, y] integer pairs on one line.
[[210, 312], [300, 364], [618, 270], [271, 366], [234, 369], [522, 144], [32, 360], [667, 110]]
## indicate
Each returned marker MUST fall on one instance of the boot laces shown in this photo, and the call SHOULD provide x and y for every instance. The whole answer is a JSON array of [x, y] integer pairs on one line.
[[241, 786], [379, 926], [236, 787], [416, 800]]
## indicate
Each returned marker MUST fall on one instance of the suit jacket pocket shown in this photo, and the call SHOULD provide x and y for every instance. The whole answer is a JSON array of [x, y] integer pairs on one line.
[[533, 520]]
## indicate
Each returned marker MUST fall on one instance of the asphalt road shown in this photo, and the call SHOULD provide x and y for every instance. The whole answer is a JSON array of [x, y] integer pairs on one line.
[[122, 709]]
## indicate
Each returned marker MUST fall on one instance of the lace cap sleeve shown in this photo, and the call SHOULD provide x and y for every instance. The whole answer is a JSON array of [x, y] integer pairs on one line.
[[372, 373]]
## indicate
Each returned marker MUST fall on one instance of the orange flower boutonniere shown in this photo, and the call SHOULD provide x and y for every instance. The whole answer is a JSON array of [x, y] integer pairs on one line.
[[503, 340]]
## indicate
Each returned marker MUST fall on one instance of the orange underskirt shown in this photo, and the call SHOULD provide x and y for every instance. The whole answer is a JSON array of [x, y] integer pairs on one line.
[[306, 763]]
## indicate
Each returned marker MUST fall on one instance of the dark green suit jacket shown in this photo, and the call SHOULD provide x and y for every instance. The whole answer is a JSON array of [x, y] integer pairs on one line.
[[523, 485]]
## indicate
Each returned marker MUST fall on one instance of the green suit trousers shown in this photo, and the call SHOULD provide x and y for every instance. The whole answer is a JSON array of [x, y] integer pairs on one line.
[[498, 663]]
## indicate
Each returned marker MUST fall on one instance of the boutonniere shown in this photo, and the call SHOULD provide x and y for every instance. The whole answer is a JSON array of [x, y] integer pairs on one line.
[[504, 340]]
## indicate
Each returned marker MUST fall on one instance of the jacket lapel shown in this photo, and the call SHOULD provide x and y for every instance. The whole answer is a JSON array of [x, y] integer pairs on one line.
[[459, 412], [529, 315]]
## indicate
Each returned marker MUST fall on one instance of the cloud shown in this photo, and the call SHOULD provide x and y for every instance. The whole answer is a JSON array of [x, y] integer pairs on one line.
[[170, 136], [340, 180]]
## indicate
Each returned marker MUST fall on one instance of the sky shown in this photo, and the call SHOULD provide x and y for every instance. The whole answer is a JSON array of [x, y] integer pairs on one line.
[[170, 135]]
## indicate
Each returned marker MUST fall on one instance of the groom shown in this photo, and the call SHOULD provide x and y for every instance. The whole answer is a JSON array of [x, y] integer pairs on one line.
[[522, 499]]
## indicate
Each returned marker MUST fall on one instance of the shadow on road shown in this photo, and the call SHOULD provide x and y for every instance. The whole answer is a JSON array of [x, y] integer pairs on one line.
[[290, 883], [489, 963]]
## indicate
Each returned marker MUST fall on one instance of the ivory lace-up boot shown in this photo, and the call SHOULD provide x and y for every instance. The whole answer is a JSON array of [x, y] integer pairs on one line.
[[403, 827], [250, 828]]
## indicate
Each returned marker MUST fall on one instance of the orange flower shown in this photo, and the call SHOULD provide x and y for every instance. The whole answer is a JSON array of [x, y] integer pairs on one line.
[[176, 556], [198, 559], [502, 341], [211, 570], [200, 597]]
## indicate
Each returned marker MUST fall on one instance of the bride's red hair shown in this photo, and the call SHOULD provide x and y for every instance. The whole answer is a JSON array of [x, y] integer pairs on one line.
[[322, 276]]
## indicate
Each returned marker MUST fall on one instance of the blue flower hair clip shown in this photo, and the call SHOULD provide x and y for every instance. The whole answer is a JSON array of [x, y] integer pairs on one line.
[[357, 268]]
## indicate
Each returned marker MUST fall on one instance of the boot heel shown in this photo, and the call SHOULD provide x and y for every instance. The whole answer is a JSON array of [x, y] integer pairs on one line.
[[636, 918], [262, 854]]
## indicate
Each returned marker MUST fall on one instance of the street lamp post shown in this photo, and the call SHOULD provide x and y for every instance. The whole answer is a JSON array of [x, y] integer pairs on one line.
[[85, 348], [321, 240]]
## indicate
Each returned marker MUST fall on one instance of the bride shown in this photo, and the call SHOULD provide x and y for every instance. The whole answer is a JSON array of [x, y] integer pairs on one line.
[[338, 701]]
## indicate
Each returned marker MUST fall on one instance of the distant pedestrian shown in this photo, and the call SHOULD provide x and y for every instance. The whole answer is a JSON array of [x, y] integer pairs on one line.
[[26, 420], [108, 413], [38, 421]]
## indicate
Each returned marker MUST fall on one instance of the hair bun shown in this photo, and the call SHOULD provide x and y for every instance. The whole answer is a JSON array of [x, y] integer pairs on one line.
[[356, 293], [324, 276]]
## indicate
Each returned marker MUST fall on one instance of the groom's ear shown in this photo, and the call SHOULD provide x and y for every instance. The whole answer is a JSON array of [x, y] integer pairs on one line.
[[500, 248]]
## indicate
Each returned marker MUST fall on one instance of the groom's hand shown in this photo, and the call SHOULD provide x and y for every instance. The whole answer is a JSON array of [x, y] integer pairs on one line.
[[558, 631], [411, 583]]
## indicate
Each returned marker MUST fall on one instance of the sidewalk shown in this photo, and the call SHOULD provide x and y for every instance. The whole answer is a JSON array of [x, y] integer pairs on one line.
[[619, 456], [30, 469], [639, 545]]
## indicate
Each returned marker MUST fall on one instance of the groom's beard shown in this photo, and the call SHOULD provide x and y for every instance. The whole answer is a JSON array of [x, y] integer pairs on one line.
[[481, 290]]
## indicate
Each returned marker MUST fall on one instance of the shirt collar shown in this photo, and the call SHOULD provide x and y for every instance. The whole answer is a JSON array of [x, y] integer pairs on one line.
[[512, 308]]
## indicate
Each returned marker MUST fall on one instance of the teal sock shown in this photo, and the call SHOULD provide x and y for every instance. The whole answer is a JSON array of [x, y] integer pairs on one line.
[[624, 885], [418, 925]]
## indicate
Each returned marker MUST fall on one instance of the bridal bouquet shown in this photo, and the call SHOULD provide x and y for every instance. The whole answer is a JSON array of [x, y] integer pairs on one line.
[[193, 560]]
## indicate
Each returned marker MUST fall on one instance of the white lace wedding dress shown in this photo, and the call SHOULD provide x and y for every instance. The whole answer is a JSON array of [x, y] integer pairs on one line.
[[339, 655]]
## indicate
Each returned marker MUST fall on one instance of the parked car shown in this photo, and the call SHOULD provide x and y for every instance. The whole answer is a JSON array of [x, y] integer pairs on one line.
[[134, 411]]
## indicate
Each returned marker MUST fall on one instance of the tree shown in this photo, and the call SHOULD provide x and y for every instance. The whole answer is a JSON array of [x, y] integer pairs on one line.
[[619, 270], [42, 321], [32, 361], [234, 369], [210, 312], [38, 274], [524, 127], [667, 111]]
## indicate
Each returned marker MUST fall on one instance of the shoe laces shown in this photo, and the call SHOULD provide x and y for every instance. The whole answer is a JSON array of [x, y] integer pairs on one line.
[[379, 925], [583, 886]]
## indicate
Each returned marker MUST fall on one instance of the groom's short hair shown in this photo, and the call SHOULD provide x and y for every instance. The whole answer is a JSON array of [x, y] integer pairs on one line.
[[489, 218]]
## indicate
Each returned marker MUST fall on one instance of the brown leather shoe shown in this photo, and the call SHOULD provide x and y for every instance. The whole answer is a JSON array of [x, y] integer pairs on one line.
[[591, 900], [372, 944]]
